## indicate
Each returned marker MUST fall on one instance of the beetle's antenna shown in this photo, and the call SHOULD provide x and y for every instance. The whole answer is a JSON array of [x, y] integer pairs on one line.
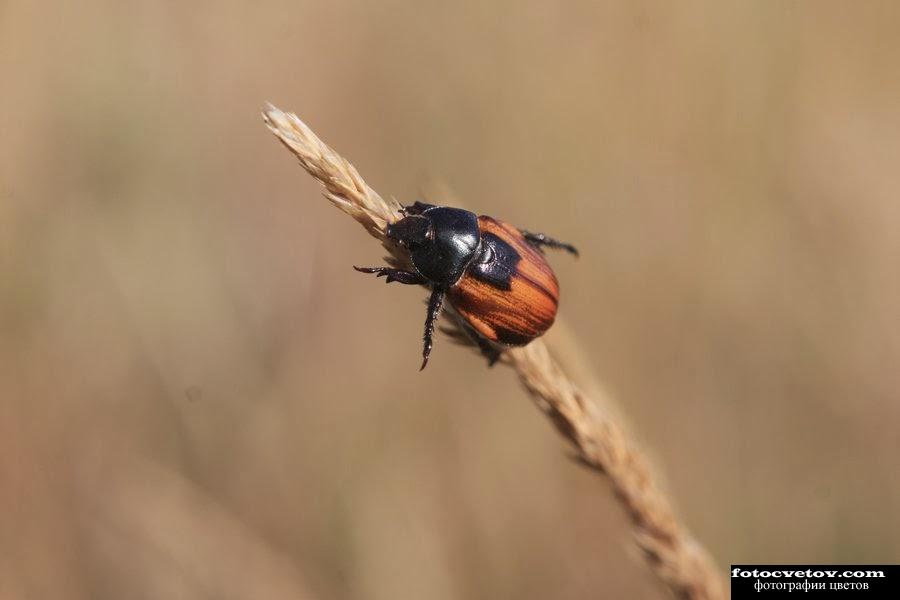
[[599, 439]]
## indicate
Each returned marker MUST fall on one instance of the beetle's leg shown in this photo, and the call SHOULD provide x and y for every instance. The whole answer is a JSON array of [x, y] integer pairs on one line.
[[488, 350], [539, 239], [416, 208], [407, 277], [434, 309]]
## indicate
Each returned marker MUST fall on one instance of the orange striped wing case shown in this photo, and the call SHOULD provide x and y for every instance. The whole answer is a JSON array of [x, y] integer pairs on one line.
[[509, 295]]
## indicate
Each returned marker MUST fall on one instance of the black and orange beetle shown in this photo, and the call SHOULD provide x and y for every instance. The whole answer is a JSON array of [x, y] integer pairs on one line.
[[495, 275]]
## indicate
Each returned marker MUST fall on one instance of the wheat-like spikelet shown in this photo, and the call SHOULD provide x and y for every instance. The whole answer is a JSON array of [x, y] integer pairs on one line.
[[343, 185], [599, 440]]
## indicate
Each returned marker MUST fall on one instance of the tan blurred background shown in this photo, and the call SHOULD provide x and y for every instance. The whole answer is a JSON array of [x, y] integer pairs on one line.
[[200, 399]]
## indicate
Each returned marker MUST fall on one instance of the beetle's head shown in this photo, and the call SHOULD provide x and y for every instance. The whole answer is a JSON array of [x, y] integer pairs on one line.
[[413, 233]]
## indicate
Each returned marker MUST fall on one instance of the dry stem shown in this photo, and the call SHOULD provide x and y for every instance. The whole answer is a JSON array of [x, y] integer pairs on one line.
[[599, 440]]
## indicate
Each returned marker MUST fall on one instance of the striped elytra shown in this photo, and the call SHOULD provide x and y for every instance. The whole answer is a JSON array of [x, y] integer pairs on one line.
[[509, 294]]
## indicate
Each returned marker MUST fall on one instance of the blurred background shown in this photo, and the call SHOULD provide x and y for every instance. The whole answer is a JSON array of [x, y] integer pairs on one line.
[[200, 398]]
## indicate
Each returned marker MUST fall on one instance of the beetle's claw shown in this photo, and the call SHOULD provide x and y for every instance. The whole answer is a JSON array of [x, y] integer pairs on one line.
[[539, 240], [392, 274], [426, 351]]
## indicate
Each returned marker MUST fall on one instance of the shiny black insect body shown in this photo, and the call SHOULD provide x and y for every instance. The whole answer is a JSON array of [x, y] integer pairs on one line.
[[495, 275]]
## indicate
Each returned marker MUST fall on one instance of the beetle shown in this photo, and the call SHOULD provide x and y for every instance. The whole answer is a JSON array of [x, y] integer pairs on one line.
[[493, 274]]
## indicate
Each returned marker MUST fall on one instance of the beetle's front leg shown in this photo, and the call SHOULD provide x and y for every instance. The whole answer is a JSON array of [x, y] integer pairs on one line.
[[538, 240], [406, 277], [434, 309]]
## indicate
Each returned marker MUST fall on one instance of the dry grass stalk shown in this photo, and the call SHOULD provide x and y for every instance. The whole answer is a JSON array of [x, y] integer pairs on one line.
[[599, 440]]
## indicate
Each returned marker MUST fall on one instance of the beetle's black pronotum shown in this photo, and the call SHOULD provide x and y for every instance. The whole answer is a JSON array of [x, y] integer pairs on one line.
[[494, 275]]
